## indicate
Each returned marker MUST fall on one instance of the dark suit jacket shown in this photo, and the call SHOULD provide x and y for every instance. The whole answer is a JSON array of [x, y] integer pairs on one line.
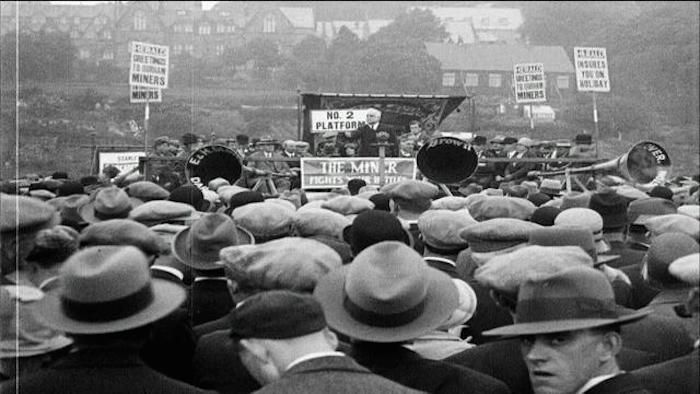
[[641, 293], [367, 136], [208, 300], [401, 365], [679, 375], [273, 166], [91, 371], [333, 374], [488, 314], [503, 361], [628, 256], [216, 365], [621, 384], [662, 336], [171, 346], [518, 171]]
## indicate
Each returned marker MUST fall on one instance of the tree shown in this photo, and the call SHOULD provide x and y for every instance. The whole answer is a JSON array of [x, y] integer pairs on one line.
[[306, 64], [419, 25], [265, 55], [341, 61], [42, 56]]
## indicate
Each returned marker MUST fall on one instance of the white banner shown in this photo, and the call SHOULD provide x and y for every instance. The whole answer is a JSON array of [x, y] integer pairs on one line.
[[141, 95], [337, 120], [529, 82], [591, 69], [124, 161], [149, 65]]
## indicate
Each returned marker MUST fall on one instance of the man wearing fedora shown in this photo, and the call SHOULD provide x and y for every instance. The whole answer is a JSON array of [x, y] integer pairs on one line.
[[107, 304], [569, 331], [389, 296], [287, 346]]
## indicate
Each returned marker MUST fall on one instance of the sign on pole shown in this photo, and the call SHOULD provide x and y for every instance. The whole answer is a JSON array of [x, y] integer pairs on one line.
[[325, 172], [337, 120], [149, 65], [591, 69], [530, 84], [139, 94], [124, 161]]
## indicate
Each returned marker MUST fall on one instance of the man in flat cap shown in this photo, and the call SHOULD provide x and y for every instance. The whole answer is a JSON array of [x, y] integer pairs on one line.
[[410, 199], [485, 173], [288, 348], [569, 333]]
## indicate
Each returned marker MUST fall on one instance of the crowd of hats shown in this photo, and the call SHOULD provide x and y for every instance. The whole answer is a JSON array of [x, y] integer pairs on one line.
[[350, 250]]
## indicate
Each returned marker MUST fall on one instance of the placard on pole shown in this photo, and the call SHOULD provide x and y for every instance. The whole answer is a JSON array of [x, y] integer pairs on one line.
[[530, 86], [592, 76]]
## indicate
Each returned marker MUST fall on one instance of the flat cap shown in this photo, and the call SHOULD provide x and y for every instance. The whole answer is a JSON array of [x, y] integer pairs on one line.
[[348, 205], [583, 217], [264, 220], [121, 232], [645, 208], [674, 222], [630, 192], [283, 203], [288, 263], [147, 191], [502, 207], [319, 221], [687, 268], [508, 271], [665, 249], [25, 214], [226, 192], [409, 189], [163, 211], [692, 210], [497, 234], [575, 200], [216, 183], [54, 245], [452, 203], [545, 216], [441, 228], [276, 314]]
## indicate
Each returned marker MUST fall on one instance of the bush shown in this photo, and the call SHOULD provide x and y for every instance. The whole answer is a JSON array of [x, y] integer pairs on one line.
[[88, 100]]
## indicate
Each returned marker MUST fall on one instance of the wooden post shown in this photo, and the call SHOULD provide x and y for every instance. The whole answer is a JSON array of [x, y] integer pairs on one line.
[[382, 155], [146, 115], [595, 123]]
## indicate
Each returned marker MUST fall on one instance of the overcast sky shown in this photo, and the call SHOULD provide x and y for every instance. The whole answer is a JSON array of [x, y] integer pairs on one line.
[[206, 4]]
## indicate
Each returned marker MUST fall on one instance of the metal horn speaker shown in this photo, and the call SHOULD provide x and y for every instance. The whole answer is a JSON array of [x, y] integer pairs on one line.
[[447, 160], [213, 161]]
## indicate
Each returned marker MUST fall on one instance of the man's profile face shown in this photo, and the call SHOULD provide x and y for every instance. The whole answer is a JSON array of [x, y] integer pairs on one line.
[[269, 148], [562, 362], [373, 118], [415, 128]]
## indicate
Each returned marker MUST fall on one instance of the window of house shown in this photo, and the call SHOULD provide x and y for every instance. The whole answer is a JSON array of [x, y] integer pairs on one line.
[[471, 79], [177, 49], [448, 79], [107, 35], [204, 30], [84, 54], [181, 12], [139, 21], [220, 49], [220, 28], [563, 81], [188, 28], [494, 80], [189, 48], [269, 24], [231, 29]]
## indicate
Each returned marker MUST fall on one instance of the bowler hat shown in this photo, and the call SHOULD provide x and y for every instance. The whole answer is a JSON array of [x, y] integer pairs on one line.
[[109, 203], [277, 314], [545, 216], [574, 299], [372, 227], [612, 207], [287, 263], [25, 214], [107, 289], [387, 294], [242, 198], [198, 245], [189, 194]]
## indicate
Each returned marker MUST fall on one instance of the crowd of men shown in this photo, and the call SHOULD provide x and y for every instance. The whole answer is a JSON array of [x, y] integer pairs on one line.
[[122, 287]]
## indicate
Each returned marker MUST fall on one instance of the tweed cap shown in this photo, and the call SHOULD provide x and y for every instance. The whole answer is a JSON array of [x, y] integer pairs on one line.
[[517, 191], [472, 188], [640, 210], [551, 186], [502, 207], [612, 208], [121, 232], [288, 263], [441, 228], [319, 221], [691, 210], [147, 191], [545, 216], [22, 214], [276, 314], [583, 217], [509, 141], [188, 194], [42, 194], [674, 222], [163, 211], [630, 192], [216, 183], [570, 236], [410, 189], [687, 269], [508, 271], [575, 200], [282, 202], [348, 205], [227, 192], [452, 203], [242, 198], [491, 192], [54, 245], [524, 141], [665, 249], [538, 199], [497, 234], [264, 220]]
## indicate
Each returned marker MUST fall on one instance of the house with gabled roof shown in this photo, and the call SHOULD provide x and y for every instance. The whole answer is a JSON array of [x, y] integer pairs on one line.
[[487, 69]]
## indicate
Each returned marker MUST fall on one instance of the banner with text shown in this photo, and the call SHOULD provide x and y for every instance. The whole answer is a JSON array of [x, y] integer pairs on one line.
[[530, 84], [149, 65], [591, 69], [139, 94], [124, 161], [337, 120], [323, 173]]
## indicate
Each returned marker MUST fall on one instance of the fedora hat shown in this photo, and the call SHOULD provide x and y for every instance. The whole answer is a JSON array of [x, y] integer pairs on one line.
[[198, 245], [109, 203], [107, 289], [573, 299], [20, 334], [267, 140], [387, 294]]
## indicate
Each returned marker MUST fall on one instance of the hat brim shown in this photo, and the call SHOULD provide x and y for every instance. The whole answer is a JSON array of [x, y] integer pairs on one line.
[[9, 348], [441, 300], [605, 258], [184, 254], [167, 296], [87, 211], [347, 236], [552, 326]]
